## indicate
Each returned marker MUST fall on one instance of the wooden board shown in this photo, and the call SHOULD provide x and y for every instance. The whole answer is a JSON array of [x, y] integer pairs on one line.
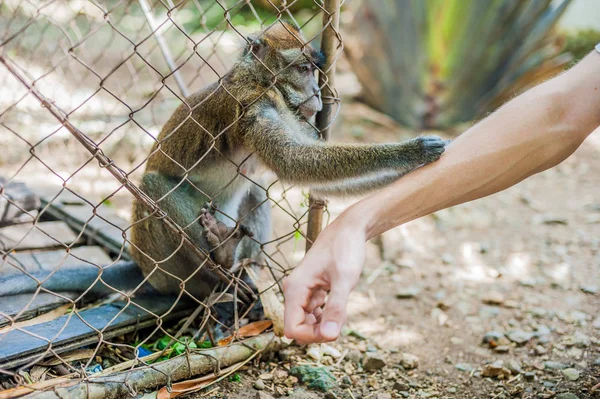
[[31, 343], [35, 236], [15, 199], [24, 307], [53, 260], [107, 232]]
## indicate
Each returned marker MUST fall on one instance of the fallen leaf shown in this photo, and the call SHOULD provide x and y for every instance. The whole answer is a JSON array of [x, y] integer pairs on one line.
[[78, 354], [249, 330], [48, 316], [183, 387]]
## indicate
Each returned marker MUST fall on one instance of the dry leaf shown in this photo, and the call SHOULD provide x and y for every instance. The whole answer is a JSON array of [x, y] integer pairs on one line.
[[39, 386], [183, 387], [78, 354], [38, 373], [48, 316], [249, 330]]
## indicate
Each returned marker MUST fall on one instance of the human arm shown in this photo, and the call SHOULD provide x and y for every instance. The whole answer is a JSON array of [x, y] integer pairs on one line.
[[533, 132]]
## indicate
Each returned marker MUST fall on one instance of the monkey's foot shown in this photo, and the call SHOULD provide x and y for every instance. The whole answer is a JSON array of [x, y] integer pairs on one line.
[[210, 207], [221, 239], [431, 148]]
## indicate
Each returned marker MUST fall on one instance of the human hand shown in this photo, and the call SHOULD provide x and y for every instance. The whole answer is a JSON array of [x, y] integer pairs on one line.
[[326, 276]]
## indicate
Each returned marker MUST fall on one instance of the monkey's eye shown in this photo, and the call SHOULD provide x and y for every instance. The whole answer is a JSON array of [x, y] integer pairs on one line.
[[304, 68]]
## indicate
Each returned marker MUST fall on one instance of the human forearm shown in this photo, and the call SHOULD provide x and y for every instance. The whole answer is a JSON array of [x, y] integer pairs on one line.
[[533, 132]]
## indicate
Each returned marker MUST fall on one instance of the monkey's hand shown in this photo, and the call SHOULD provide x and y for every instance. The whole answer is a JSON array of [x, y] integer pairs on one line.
[[222, 240], [426, 149]]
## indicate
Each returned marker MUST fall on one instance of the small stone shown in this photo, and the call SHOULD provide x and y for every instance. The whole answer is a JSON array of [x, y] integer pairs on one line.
[[330, 395], [384, 395], [529, 376], [575, 353], [578, 339], [538, 312], [354, 356], [502, 349], [550, 219], [495, 338], [409, 361], [331, 351], [262, 395], [514, 366], [371, 348], [567, 395], [571, 374], [493, 298], [285, 354], [589, 289], [314, 352], [408, 292], [404, 394], [540, 350], [555, 365], [456, 341], [290, 381], [346, 380], [495, 370], [511, 304], [519, 337], [259, 385], [373, 361], [451, 390], [464, 367], [400, 386], [596, 322]]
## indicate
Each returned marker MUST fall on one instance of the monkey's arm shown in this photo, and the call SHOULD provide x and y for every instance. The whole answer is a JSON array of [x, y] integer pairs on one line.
[[301, 160], [357, 186]]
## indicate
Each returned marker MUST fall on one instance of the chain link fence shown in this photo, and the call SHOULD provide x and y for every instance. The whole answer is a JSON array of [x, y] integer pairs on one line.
[[86, 87]]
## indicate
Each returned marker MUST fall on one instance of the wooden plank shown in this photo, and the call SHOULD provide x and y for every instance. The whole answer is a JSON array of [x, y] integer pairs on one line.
[[36, 236], [53, 260], [108, 233], [19, 347], [27, 307], [16, 198]]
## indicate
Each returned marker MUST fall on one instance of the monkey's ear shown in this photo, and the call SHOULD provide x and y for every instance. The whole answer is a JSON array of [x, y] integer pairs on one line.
[[257, 47]]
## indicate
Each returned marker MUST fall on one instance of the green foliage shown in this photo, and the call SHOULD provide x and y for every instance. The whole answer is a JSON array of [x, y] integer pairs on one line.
[[437, 63], [235, 378], [580, 43]]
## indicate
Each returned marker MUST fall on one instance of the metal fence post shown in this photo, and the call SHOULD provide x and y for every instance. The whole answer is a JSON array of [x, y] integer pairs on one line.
[[330, 42]]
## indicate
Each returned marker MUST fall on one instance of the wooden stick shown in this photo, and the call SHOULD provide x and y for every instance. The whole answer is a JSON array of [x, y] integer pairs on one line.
[[130, 383]]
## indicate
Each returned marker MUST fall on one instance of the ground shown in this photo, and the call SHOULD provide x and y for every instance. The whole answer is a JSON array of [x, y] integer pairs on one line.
[[524, 262]]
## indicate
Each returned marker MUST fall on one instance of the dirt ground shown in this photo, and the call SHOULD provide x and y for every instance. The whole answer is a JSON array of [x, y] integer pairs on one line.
[[520, 268]]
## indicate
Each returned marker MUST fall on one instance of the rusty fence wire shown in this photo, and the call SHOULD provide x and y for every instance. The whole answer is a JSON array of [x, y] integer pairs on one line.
[[85, 88]]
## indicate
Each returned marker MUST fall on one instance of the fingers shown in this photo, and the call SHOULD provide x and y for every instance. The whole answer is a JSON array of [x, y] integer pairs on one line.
[[297, 296], [334, 315]]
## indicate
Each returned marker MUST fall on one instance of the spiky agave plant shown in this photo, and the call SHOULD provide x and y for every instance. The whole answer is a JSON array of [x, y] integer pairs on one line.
[[436, 63]]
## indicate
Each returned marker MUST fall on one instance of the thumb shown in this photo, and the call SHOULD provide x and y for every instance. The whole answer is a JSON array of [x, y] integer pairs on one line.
[[334, 315]]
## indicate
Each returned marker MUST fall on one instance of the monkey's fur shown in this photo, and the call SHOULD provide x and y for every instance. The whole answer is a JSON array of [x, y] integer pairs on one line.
[[257, 116]]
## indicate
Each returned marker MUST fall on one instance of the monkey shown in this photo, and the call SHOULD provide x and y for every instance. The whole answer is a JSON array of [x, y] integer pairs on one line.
[[258, 116], [212, 151]]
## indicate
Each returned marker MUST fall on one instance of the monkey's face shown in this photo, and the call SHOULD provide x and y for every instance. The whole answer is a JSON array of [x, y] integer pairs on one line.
[[299, 86], [291, 63]]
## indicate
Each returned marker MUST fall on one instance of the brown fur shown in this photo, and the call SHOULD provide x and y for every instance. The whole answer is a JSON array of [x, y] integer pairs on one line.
[[258, 115]]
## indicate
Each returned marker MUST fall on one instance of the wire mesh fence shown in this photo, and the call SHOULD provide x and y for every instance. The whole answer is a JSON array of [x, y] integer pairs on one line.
[[87, 90]]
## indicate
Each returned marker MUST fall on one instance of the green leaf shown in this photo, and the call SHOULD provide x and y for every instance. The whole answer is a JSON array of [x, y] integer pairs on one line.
[[235, 378], [205, 345]]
